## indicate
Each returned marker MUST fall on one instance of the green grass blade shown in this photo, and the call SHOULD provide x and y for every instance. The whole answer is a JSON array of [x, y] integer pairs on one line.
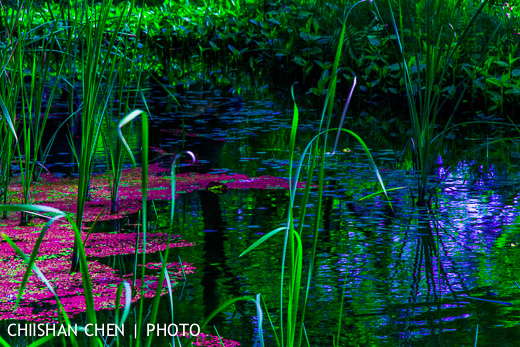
[[172, 177], [127, 119], [34, 254], [170, 290], [219, 338], [144, 194], [289, 241], [295, 290], [271, 322], [128, 301], [381, 192], [42, 277], [260, 320], [344, 113], [476, 336], [7, 118], [182, 268], [292, 139], [262, 240], [87, 284]]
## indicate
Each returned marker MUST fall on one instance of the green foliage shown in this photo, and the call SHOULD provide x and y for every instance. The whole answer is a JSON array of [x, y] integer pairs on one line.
[[285, 42]]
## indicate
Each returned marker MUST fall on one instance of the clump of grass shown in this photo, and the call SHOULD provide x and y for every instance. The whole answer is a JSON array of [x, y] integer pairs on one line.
[[293, 310], [424, 62], [98, 64], [101, 61]]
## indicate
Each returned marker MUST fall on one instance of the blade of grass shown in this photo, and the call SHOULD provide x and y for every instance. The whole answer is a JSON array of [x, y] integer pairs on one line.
[[34, 254], [219, 338], [126, 311], [172, 177], [340, 314], [271, 322], [144, 190], [476, 336], [260, 320], [33, 267]]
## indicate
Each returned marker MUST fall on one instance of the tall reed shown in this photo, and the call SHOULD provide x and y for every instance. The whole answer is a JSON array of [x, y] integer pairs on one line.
[[34, 114], [98, 64], [102, 60], [424, 60], [10, 88], [293, 310], [123, 100], [29, 76]]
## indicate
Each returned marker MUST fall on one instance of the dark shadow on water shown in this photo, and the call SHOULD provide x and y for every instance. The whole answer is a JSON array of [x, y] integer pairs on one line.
[[216, 271]]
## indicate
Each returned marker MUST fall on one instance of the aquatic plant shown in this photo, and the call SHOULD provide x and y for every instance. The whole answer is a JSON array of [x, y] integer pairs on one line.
[[230, 37], [293, 38], [432, 49], [39, 306], [293, 247], [98, 65], [58, 240], [96, 276], [25, 66], [33, 95]]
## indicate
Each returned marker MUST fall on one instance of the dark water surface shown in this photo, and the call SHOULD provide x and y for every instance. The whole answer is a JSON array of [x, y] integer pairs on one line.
[[413, 279]]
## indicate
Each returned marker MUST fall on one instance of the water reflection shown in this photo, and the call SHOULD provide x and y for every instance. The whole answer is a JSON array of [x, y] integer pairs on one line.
[[407, 276]]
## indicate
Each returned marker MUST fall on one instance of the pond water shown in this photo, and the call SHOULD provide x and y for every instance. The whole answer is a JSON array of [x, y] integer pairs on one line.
[[414, 278]]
